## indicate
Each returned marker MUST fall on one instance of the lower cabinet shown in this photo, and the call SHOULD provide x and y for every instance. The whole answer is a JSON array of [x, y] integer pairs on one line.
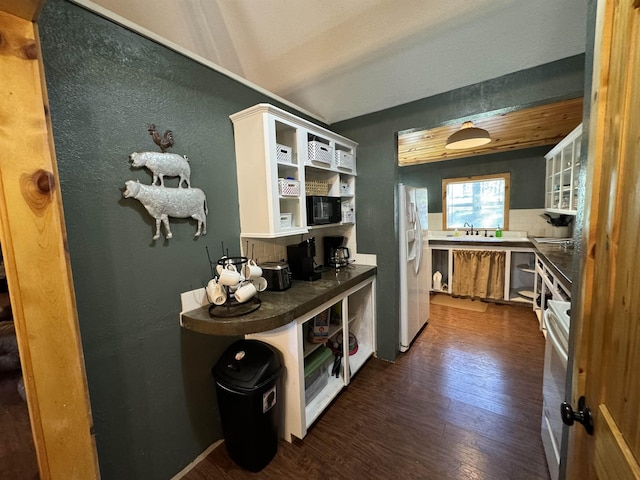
[[309, 354], [547, 287], [521, 276], [519, 271]]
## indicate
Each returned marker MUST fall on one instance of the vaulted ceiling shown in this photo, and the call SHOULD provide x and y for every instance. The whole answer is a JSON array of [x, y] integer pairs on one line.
[[340, 59]]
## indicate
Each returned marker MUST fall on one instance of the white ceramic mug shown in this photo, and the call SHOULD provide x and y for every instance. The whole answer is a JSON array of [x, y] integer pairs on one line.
[[260, 283], [216, 293], [229, 276], [252, 270], [211, 289], [245, 292]]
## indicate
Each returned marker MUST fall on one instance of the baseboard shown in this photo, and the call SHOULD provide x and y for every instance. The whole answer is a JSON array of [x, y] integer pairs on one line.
[[197, 460]]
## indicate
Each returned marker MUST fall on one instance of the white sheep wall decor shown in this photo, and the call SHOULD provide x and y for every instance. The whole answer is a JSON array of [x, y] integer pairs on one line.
[[163, 165], [163, 202]]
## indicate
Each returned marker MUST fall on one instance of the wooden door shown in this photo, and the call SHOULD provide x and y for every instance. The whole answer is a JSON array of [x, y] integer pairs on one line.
[[33, 239], [607, 356]]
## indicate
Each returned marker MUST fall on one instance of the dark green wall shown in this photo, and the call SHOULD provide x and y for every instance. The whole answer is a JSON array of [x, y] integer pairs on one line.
[[378, 173], [527, 169], [152, 395]]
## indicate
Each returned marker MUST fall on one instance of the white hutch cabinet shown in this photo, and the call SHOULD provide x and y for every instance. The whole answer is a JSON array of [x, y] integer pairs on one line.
[[279, 159]]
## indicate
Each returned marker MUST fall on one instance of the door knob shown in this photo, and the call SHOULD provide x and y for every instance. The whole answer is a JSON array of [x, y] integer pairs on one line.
[[583, 415]]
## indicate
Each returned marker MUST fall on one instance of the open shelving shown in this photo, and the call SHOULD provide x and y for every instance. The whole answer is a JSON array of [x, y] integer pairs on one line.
[[272, 145]]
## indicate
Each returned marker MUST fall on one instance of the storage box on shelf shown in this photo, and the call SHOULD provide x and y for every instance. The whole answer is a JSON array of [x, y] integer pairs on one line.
[[279, 154], [320, 153], [310, 385], [283, 154], [316, 187], [562, 169], [288, 187]]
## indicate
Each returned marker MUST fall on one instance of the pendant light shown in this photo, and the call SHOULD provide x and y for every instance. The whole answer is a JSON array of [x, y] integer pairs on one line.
[[468, 136]]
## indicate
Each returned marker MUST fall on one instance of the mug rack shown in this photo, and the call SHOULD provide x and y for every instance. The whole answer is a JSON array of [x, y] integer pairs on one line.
[[231, 307]]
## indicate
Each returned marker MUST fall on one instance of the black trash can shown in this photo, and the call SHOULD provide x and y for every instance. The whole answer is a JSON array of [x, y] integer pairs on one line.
[[247, 378]]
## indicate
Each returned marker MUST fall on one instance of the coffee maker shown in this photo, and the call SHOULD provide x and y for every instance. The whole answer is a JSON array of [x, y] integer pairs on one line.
[[301, 262], [335, 253]]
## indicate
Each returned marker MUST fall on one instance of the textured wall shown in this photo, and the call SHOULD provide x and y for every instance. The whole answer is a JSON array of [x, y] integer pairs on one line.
[[527, 169], [378, 173], [152, 394]]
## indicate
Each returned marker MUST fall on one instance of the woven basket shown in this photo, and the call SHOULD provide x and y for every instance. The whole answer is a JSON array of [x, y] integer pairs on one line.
[[316, 187]]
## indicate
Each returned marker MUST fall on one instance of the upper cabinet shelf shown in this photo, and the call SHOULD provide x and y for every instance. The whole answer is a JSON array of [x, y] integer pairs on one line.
[[563, 166], [277, 153]]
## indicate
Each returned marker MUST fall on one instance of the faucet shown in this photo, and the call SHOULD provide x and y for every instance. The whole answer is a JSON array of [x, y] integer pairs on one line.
[[466, 224]]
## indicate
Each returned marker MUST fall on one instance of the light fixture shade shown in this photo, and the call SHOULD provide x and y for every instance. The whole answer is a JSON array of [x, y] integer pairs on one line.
[[468, 136]]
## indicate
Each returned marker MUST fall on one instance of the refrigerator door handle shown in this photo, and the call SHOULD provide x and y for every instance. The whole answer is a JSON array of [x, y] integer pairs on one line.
[[418, 253]]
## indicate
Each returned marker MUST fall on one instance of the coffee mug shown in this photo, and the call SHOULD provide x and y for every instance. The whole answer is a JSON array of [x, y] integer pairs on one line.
[[252, 270], [216, 293], [210, 289], [260, 283], [229, 276], [245, 292]]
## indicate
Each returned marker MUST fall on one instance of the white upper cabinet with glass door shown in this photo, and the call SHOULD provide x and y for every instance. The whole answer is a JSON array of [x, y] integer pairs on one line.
[[561, 181]]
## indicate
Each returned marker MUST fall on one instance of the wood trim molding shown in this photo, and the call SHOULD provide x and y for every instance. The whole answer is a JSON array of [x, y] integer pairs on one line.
[[33, 238]]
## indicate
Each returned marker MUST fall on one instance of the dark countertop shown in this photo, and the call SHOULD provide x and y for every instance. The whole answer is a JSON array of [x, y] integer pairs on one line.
[[559, 259], [490, 242], [279, 308]]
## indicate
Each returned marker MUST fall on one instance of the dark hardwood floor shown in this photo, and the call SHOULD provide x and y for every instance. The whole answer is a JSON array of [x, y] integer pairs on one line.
[[17, 453], [463, 403]]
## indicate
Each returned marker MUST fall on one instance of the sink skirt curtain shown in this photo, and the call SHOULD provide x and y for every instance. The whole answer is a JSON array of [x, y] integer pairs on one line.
[[478, 273]]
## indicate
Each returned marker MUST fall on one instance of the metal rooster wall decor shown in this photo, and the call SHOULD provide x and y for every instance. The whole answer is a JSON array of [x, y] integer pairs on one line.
[[162, 202]]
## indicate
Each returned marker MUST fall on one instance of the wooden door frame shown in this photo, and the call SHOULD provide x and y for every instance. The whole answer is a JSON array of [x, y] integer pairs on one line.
[[34, 245], [588, 348]]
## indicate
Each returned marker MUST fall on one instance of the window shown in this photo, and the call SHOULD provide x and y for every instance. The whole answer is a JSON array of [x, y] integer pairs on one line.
[[481, 201]]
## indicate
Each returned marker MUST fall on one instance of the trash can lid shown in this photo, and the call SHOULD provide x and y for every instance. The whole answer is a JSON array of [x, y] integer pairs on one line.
[[247, 364]]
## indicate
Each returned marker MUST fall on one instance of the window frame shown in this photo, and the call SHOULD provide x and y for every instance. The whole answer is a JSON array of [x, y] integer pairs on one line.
[[477, 178]]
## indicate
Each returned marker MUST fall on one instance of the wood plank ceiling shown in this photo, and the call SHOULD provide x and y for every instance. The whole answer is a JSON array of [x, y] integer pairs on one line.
[[512, 130]]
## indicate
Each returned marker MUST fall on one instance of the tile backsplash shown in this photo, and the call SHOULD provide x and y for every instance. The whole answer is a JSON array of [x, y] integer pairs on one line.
[[275, 249], [529, 220]]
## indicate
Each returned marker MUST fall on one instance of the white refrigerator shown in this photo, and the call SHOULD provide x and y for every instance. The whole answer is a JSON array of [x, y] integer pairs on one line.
[[414, 263]]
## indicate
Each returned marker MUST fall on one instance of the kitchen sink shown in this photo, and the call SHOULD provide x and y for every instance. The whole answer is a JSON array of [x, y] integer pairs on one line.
[[513, 236], [479, 238]]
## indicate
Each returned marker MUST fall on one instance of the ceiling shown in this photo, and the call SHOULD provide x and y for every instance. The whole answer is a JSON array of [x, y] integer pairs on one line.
[[339, 59], [509, 130]]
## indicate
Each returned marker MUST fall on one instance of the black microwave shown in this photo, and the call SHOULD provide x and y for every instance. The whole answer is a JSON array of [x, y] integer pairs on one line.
[[323, 210]]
